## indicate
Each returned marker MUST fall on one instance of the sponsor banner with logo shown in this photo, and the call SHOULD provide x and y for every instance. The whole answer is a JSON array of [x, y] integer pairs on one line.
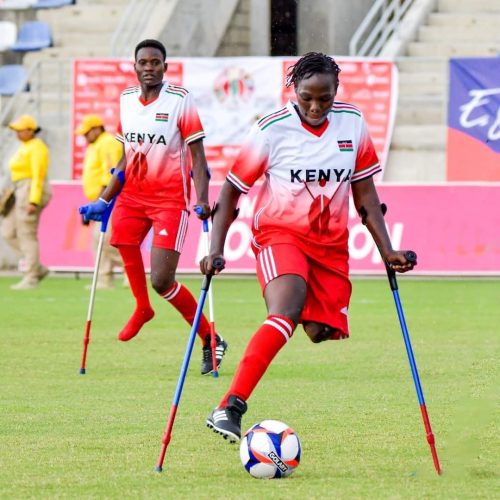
[[231, 93], [453, 229], [473, 152]]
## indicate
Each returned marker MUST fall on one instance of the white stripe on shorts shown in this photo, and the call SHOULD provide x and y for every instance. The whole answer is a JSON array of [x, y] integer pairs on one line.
[[267, 264], [181, 234]]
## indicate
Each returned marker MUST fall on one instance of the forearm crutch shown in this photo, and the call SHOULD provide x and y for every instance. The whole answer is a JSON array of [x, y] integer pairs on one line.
[[88, 324], [391, 274], [185, 364], [213, 339]]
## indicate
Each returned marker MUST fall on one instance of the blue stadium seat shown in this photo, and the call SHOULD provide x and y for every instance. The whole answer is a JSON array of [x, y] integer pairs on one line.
[[52, 4], [12, 78], [33, 35], [8, 34]]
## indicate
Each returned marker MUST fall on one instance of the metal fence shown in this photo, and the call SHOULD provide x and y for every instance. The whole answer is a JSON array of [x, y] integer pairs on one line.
[[381, 22]]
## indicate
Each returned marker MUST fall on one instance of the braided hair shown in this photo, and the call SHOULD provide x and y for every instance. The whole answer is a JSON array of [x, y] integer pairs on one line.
[[310, 64]]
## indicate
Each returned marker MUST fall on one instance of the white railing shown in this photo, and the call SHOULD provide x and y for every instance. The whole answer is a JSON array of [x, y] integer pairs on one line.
[[30, 101], [381, 22], [131, 27]]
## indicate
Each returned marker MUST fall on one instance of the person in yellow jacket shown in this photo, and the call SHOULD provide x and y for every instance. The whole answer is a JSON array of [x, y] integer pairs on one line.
[[28, 170], [102, 154]]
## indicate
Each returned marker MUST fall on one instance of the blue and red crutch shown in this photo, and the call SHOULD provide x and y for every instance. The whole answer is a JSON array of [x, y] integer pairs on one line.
[[391, 274], [185, 364], [88, 324], [213, 339]]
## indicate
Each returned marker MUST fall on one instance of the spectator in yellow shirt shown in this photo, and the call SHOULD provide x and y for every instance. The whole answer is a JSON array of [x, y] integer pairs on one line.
[[102, 154], [28, 170]]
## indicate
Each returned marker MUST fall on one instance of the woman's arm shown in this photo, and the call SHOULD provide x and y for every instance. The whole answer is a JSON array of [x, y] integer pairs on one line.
[[366, 200], [223, 218]]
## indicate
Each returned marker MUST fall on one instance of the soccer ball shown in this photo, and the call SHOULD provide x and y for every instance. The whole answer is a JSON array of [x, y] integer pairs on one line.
[[270, 449]]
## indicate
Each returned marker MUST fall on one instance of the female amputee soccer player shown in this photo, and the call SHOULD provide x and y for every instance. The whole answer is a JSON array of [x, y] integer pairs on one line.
[[310, 152], [157, 121]]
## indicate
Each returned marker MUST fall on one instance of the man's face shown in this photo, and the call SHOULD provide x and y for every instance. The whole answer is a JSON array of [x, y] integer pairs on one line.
[[149, 66], [315, 97]]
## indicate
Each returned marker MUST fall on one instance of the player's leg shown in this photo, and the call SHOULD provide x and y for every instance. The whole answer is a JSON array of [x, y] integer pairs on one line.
[[169, 231], [325, 313], [129, 228], [285, 295]]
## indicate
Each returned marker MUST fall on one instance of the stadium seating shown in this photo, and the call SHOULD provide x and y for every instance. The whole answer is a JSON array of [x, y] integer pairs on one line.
[[52, 4], [8, 35], [33, 35], [12, 78], [16, 4]]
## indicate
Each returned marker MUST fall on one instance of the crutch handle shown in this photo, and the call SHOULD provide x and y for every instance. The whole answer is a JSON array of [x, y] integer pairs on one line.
[[410, 256]]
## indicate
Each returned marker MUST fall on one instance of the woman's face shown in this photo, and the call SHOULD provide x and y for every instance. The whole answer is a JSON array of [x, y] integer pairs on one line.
[[25, 135], [315, 97]]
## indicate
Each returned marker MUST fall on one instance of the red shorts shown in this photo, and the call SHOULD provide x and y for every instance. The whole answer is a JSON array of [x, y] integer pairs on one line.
[[328, 285], [131, 223]]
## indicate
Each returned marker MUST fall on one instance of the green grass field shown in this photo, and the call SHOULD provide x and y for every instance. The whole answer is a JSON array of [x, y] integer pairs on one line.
[[352, 403]]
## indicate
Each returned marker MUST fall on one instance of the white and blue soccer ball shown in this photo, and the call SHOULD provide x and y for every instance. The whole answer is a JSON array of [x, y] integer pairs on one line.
[[270, 449]]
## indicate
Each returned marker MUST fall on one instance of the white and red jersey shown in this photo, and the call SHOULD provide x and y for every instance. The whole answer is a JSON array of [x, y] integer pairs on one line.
[[155, 135], [307, 171]]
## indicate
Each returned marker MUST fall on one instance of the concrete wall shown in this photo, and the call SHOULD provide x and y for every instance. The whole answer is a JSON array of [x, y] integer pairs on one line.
[[236, 40], [328, 25]]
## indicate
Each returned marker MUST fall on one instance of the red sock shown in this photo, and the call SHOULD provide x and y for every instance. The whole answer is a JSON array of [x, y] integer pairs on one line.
[[262, 348], [182, 299], [134, 267]]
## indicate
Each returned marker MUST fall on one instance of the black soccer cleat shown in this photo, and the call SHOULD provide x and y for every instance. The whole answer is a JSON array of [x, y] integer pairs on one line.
[[206, 360], [227, 421]]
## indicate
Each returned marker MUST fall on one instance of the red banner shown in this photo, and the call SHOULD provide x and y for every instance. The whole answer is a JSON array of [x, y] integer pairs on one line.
[[453, 229], [231, 93], [97, 85]]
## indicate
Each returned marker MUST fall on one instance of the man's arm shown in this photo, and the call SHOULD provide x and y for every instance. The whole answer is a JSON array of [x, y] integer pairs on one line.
[[200, 177], [366, 200]]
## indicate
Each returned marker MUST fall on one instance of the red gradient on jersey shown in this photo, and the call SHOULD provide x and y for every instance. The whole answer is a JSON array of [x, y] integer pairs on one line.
[[189, 122], [366, 152], [470, 160], [250, 165]]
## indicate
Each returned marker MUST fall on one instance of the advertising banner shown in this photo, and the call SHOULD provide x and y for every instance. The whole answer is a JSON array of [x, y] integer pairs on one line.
[[473, 152], [453, 229], [231, 93]]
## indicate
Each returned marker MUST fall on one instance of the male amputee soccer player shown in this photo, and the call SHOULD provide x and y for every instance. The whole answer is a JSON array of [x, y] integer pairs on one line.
[[157, 121], [311, 152]]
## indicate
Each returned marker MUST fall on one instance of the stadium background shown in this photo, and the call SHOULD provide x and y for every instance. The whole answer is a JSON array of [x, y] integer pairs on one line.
[[420, 37]]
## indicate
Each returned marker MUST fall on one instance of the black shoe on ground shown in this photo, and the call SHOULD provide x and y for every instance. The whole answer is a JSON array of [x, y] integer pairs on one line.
[[227, 421], [206, 360]]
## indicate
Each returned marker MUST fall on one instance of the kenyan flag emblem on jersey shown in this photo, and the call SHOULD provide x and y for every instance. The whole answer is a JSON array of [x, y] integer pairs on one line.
[[345, 145], [162, 117]]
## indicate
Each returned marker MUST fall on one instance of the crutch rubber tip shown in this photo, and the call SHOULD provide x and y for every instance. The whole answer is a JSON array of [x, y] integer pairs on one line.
[[82, 371], [158, 468], [215, 374]]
